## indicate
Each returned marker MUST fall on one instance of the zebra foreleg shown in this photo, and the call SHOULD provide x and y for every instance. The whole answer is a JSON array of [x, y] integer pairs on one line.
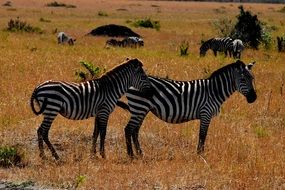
[[204, 124], [100, 128]]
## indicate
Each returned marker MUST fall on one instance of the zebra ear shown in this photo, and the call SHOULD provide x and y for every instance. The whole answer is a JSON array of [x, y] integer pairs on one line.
[[249, 66]]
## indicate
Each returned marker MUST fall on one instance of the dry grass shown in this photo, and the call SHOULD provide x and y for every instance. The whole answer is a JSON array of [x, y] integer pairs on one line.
[[245, 148]]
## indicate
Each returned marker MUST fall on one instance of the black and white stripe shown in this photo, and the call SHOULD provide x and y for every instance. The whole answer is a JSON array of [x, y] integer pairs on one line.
[[63, 38], [95, 98], [238, 47], [217, 45], [182, 101]]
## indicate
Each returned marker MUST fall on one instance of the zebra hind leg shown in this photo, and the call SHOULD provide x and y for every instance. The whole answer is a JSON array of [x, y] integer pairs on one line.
[[128, 136], [135, 137], [43, 136]]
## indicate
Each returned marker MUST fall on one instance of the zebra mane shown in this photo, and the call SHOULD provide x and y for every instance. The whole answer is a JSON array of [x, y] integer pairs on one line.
[[135, 63], [237, 64]]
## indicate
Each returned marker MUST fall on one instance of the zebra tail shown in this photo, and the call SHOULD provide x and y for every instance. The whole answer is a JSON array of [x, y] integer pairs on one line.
[[43, 107], [123, 105]]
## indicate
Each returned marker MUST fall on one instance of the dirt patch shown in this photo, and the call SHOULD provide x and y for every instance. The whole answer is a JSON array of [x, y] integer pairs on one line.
[[113, 30]]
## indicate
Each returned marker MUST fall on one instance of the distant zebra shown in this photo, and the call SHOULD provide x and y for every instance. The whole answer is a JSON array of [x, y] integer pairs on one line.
[[238, 47], [63, 38], [95, 98], [182, 101], [132, 42], [217, 45], [113, 42]]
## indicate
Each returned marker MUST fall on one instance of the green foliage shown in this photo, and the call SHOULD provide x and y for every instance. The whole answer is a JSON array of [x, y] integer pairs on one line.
[[184, 46], [266, 39], [9, 156], [79, 181], [260, 131], [248, 28], [93, 72], [56, 4], [147, 23], [20, 26], [102, 13]]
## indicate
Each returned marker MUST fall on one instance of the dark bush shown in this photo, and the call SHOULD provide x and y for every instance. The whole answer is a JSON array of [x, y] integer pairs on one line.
[[281, 44], [17, 25], [248, 28], [56, 4]]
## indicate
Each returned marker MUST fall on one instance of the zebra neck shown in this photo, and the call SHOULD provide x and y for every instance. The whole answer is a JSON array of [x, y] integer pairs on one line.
[[222, 87], [116, 83]]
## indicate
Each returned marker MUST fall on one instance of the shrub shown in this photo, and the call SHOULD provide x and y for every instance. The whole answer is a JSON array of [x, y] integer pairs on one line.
[[17, 25], [7, 4], [56, 4], [248, 28], [44, 20], [147, 23], [9, 156], [93, 72], [184, 46], [102, 13]]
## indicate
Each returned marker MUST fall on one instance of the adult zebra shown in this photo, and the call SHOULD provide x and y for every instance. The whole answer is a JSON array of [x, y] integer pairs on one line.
[[95, 98], [182, 101], [217, 45], [237, 48]]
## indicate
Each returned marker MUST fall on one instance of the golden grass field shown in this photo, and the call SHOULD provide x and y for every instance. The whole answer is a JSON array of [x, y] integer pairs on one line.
[[245, 146]]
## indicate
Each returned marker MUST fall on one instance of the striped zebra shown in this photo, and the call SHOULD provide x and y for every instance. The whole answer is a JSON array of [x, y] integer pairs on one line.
[[132, 42], [182, 101], [237, 48], [64, 38], [217, 45], [78, 101]]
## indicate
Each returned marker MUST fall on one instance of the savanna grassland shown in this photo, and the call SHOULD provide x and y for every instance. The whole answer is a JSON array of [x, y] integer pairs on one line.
[[245, 146]]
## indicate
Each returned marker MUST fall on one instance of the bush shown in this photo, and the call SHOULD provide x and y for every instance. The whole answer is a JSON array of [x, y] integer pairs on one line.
[[102, 13], [93, 72], [56, 4], [9, 156], [225, 27], [147, 23], [7, 4], [17, 25], [281, 44], [248, 29], [184, 46]]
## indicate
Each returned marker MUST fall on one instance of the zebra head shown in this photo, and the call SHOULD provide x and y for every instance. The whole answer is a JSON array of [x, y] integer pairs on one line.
[[140, 80], [244, 81]]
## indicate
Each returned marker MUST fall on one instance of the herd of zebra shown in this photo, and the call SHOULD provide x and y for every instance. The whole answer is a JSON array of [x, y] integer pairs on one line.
[[171, 101], [226, 44]]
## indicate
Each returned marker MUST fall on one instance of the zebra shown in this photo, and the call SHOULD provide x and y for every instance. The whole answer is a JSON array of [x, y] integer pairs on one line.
[[181, 101], [113, 42], [95, 98], [217, 44], [64, 38], [237, 48], [132, 42]]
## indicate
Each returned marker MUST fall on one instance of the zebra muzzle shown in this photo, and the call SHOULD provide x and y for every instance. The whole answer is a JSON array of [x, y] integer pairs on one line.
[[251, 96]]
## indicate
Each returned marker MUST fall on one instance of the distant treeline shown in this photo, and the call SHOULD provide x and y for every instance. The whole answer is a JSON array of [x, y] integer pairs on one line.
[[238, 1]]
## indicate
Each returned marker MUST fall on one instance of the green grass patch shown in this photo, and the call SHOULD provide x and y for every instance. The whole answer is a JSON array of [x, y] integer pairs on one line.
[[10, 156], [16, 25], [147, 23]]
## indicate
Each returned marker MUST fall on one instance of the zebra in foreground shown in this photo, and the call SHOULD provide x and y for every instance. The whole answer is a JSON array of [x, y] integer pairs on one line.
[[217, 45], [95, 98], [63, 38], [182, 101], [238, 47]]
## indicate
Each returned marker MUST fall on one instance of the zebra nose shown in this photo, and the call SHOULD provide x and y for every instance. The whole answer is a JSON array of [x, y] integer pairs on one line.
[[251, 96]]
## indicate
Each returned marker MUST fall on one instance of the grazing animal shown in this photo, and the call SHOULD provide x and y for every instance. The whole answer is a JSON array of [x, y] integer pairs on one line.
[[113, 42], [182, 101], [238, 47], [95, 98], [63, 38], [132, 42], [217, 45]]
